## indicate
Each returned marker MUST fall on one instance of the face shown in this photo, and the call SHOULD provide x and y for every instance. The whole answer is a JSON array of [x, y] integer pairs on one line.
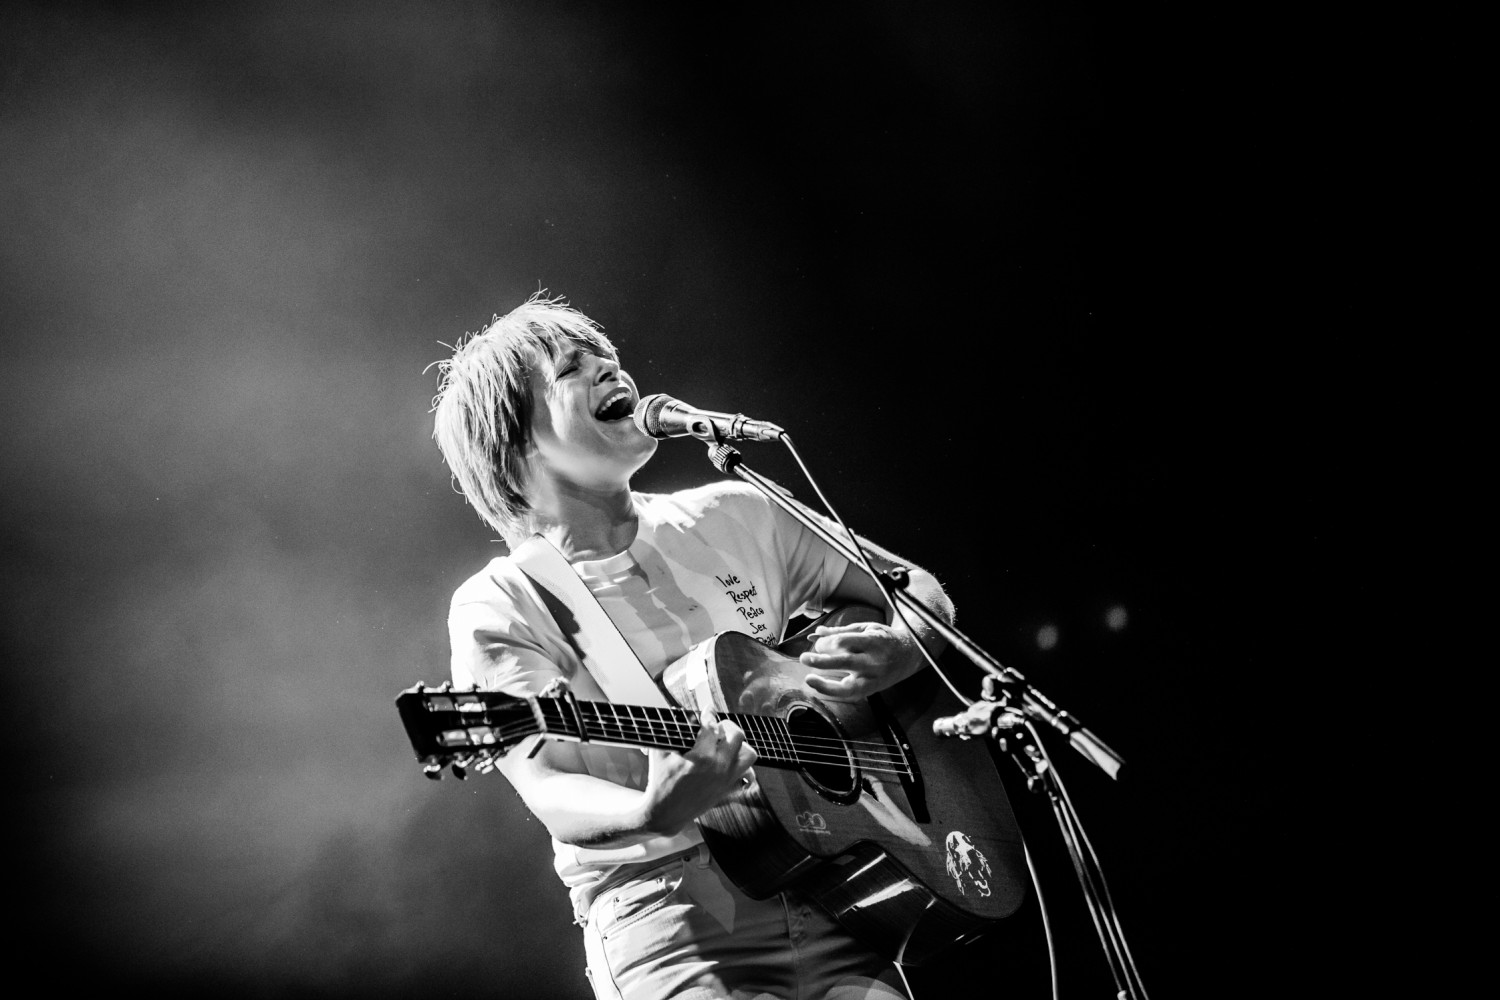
[[581, 424]]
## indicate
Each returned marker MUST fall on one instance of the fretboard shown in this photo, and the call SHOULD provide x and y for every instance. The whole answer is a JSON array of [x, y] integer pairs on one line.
[[669, 729]]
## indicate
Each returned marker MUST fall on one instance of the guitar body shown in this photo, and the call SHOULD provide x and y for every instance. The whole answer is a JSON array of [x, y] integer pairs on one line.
[[911, 865]]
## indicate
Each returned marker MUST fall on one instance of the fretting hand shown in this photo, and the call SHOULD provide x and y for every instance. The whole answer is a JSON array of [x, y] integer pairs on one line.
[[682, 786]]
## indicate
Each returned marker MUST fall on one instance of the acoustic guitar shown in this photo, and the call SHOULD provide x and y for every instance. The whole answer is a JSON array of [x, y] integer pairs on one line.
[[906, 838]]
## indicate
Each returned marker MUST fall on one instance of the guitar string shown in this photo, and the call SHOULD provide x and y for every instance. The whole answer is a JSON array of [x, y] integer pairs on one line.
[[769, 728], [679, 733], [765, 734], [801, 750], [766, 730], [800, 759], [768, 738]]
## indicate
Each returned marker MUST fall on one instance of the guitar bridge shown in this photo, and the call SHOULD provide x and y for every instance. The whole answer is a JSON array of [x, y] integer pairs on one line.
[[911, 777]]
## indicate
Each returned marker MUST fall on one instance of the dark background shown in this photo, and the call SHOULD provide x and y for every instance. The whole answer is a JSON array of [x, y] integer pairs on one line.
[[1069, 307]]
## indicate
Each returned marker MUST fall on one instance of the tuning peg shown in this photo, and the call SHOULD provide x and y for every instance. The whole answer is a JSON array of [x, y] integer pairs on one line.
[[446, 687], [434, 771], [460, 767]]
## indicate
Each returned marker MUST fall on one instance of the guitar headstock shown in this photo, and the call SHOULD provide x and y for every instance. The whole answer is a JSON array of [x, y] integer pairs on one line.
[[461, 729]]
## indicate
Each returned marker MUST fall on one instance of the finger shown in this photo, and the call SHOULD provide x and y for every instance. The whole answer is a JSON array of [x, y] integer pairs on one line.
[[708, 732], [834, 687], [858, 642], [850, 690], [709, 722], [736, 751], [827, 661], [822, 630], [731, 737]]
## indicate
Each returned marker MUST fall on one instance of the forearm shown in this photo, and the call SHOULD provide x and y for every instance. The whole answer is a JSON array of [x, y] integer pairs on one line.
[[586, 811], [907, 623], [874, 656]]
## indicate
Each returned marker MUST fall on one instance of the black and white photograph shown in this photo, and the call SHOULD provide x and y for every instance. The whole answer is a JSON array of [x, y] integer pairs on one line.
[[607, 501]]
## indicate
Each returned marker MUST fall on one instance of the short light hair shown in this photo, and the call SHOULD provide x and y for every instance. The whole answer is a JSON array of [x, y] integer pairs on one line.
[[482, 411]]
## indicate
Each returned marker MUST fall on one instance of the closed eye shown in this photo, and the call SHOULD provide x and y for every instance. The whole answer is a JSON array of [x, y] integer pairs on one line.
[[567, 365]]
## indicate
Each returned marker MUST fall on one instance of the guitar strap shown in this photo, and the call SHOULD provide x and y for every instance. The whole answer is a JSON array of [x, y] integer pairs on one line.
[[606, 655]]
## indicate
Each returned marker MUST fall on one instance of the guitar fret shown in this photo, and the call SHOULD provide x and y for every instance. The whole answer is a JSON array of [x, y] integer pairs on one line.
[[747, 724], [557, 719], [774, 749], [767, 742], [643, 725], [658, 731], [765, 739], [785, 735], [662, 723], [681, 725], [752, 732], [686, 728], [753, 727]]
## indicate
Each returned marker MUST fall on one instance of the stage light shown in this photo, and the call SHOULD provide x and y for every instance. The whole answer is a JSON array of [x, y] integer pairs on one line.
[[1116, 618], [1046, 636]]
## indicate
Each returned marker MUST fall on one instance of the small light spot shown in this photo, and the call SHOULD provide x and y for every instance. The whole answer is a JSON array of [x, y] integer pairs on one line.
[[1046, 636], [1116, 618]]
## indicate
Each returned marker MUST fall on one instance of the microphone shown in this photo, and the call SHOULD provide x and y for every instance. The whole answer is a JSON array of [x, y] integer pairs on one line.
[[661, 416]]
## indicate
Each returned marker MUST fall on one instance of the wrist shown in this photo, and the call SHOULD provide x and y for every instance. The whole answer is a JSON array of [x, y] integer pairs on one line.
[[654, 820]]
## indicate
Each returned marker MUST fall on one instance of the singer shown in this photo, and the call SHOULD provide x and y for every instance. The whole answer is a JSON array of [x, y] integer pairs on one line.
[[533, 416]]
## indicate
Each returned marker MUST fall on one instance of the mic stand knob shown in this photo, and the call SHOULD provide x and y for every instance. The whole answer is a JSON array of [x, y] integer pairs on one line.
[[724, 457]]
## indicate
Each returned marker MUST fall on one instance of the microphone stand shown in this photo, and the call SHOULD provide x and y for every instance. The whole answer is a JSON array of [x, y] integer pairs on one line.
[[1008, 706], [996, 716]]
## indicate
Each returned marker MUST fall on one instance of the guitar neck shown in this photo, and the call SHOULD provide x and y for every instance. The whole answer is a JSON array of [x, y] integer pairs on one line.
[[661, 728]]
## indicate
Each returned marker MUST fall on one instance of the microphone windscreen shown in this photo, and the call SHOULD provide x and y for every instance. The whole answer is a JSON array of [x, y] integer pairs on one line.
[[647, 414]]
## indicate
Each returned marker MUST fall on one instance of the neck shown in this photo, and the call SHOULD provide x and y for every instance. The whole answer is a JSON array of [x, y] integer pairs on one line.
[[585, 522]]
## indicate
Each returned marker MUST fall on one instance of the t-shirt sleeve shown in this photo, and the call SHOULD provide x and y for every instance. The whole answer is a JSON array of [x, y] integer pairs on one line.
[[813, 568], [494, 646]]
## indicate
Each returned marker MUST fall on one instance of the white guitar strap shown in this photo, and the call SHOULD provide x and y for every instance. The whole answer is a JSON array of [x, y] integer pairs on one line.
[[606, 655]]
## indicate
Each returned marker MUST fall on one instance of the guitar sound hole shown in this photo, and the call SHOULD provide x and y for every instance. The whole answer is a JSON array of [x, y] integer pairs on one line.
[[826, 763]]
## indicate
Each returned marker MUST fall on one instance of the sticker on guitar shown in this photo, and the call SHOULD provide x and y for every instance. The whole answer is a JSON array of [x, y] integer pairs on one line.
[[811, 822], [967, 864]]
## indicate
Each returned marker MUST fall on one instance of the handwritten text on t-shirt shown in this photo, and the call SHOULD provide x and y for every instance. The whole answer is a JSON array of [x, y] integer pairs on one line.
[[744, 598]]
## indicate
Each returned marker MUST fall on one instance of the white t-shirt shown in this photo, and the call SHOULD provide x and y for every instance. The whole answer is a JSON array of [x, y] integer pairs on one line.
[[713, 559]]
